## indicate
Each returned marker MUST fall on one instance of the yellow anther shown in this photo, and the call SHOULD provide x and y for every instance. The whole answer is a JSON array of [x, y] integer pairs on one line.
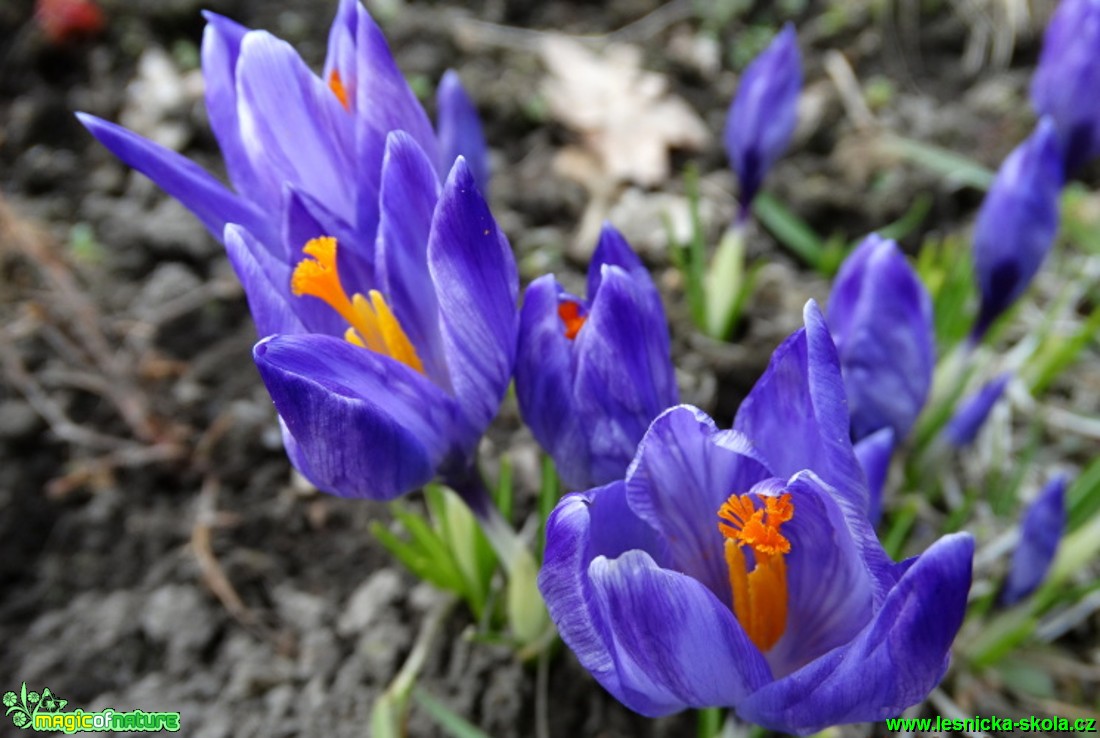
[[373, 324], [760, 595]]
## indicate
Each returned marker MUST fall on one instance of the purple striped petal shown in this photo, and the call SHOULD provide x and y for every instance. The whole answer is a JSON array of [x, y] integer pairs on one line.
[[475, 278], [365, 425], [614, 250], [874, 453], [685, 469], [294, 128], [624, 375], [892, 664], [181, 178], [544, 383], [410, 191], [342, 56], [1041, 531], [459, 128], [265, 279], [797, 413]]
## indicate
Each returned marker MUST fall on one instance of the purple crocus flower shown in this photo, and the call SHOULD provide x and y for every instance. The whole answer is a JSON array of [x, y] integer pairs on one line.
[[738, 568], [387, 299], [1065, 82], [592, 374], [1041, 531], [1017, 224], [880, 315], [764, 113], [971, 413], [874, 454], [293, 141], [459, 129]]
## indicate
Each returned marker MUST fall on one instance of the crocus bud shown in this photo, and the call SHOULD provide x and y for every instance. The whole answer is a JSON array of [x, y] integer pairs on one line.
[[971, 414], [1017, 223], [1067, 78], [459, 130], [873, 453], [880, 316], [592, 374], [764, 113], [1041, 530]]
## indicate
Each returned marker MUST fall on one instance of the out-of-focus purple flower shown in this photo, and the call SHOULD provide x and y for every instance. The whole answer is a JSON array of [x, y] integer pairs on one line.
[[1017, 223], [1065, 82], [874, 454], [1041, 531], [294, 141], [764, 113], [459, 129], [738, 568], [972, 412], [880, 315], [592, 374]]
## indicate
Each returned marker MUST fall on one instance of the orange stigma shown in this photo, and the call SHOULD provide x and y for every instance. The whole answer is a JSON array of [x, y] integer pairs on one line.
[[570, 314], [373, 324], [760, 595], [336, 84]]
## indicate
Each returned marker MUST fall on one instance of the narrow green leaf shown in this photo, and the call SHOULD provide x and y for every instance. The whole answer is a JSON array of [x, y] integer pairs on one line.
[[450, 722], [724, 283], [1083, 496], [790, 230], [951, 165], [1058, 354]]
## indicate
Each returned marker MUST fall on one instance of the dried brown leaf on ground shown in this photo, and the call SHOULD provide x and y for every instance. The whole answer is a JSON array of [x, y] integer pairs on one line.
[[626, 117]]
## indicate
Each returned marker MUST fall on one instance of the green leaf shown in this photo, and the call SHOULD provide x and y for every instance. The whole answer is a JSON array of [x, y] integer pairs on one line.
[[951, 165], [1083, 497], [415, 560], [450, 722], [549, 493], [725, 284], [790, 230], [1056, 354]]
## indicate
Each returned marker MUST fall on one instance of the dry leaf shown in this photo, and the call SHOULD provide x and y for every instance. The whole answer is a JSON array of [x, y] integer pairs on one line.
[[624, 114]]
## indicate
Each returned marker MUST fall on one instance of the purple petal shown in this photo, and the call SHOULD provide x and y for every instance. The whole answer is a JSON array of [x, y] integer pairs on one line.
[[1017, 223], [410, 191], [581, 527], [265, 280], [475, 277], [221, 46], [1041, 531], [544, 383], [764, 112], [365, 425], [342, 55], [684, 471], [880, 315], [460, 131], [212, 203], [874, 453], [294, 128], [971, 414], [624, 375], [1065, 82], [613, 249], [673, 642], [892, 664], [797, 414], [830, 590]]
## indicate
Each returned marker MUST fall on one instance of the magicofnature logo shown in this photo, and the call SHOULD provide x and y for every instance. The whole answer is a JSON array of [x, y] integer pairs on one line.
[[46, 712]]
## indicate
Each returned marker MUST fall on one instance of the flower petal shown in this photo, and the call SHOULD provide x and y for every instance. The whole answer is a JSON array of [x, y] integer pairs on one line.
[[624, 375], [366, 425], [293, 126], [476, 283], [675, 645], [221, 46], [582, 526], [684, 470], [880, 316], [544, 383], [459, 128], [212, 203], [1041, 531], [613, 249], [874, 453], [410, 191], [797, 413], [970, 414], [894, 663], [265, 280]]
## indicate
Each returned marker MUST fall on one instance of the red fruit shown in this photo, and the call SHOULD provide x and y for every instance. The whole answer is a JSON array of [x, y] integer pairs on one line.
[[64, 21]]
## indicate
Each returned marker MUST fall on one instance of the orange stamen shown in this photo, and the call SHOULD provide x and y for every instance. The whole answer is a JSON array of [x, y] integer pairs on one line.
[[373, 324], [570, 314], [760, 595], [336, 84]]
